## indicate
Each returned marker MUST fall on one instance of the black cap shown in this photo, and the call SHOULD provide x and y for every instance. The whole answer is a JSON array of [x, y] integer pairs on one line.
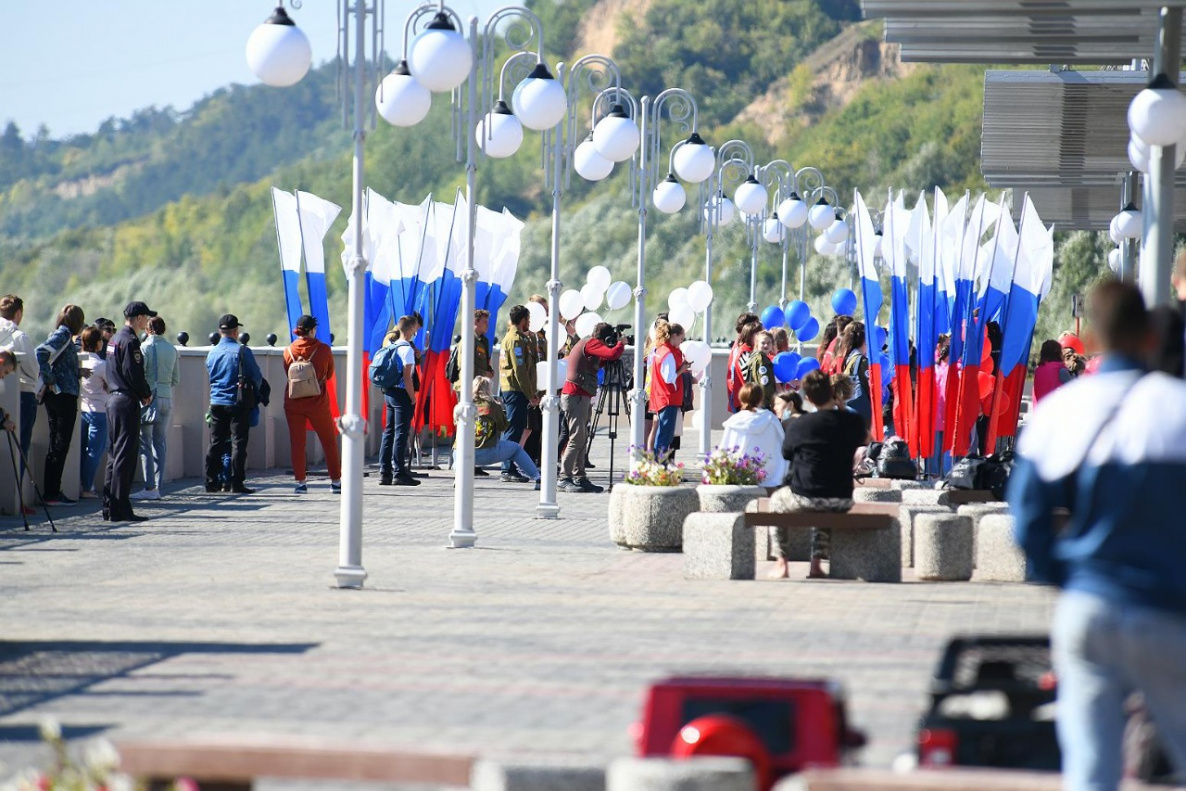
[[102, 322], [135, 309], [229, 321], [306, 322]]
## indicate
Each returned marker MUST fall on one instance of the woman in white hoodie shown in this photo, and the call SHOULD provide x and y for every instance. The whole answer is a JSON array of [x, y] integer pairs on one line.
[[756, 431]]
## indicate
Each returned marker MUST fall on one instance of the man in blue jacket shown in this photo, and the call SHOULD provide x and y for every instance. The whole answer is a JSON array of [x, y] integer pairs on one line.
[[1111, 449], [230, 416]]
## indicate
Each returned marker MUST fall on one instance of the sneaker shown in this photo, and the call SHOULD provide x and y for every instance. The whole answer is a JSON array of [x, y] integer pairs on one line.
[[301, 488], [590, 465], [586, 485], [241, 489], [514, 477], [405, 480], [384, 479], [570, 486], [536, 487], [480, 473], [60, 500], [335, 487], [136, 518], [88, 494], [213, 488], [147, 494]]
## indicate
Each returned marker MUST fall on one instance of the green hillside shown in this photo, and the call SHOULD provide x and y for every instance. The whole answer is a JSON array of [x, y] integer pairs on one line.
[[179, 212]]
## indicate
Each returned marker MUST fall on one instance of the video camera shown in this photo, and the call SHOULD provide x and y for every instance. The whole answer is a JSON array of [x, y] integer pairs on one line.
[[611, 335]]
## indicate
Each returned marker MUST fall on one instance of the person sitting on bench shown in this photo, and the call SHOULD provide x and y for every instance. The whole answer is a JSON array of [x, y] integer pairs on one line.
[[819, 449]]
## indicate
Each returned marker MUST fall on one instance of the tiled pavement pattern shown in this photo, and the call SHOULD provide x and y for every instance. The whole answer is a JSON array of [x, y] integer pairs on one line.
[[218, 616]]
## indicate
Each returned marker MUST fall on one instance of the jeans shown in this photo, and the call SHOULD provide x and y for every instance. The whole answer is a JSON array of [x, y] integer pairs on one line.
[[152, 444], [228, 433], [516, 404], [94, 442], [393, 449], [1102, 652], [28, 419], [666, 432], [509, 453], [62, 411]]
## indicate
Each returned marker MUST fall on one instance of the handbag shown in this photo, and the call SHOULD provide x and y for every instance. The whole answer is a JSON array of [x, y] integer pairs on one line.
[[246, 397], [42, 388], [148, 411]]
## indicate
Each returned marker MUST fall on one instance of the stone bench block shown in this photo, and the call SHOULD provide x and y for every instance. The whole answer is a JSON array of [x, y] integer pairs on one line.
[[998, 557], [865, 494], [547, 773], [906, 517], [902, 485], [718, 547], [690, 774], [869, 555], [976, 511], [943, 547], [926, 497]]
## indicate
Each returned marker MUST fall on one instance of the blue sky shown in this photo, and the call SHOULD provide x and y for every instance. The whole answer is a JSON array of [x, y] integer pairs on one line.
[[71, 64]]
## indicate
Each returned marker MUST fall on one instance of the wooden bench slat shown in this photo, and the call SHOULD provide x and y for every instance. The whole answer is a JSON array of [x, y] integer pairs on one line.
[[243, 762]]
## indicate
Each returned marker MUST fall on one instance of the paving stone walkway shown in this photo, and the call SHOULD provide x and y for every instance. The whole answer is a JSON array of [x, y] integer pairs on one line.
[[218, 616]]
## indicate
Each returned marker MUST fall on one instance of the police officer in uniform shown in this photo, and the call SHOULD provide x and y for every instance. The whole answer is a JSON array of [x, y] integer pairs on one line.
[[129, 390]]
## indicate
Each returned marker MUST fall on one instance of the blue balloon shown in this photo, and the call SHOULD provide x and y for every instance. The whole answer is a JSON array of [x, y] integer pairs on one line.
[[798, 314], [887, 369], [786, 365], [773, 317], [806, 366], [601, 376], [808, 330], [844, 302], [882, 335]]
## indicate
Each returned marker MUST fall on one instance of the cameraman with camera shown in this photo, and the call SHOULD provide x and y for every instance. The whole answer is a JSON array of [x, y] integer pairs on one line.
[[584, 361]]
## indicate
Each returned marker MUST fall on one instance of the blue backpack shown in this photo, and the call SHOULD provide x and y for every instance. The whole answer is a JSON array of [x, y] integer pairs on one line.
[[387, 369]]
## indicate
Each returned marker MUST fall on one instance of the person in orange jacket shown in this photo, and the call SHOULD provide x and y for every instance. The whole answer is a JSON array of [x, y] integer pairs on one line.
[[306, 402]]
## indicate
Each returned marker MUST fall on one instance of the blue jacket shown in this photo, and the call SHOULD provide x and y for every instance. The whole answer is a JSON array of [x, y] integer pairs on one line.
[[222, 363], [64, 372], [1123, 485]]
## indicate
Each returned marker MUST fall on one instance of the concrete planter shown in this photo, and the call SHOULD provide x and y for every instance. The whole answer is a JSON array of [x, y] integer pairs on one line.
[[650, 518], [728, 498]]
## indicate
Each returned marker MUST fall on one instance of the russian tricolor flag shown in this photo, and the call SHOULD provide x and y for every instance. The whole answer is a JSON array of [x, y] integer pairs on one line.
[[288, 239], [317, 215], [893, 251], [871, 299]]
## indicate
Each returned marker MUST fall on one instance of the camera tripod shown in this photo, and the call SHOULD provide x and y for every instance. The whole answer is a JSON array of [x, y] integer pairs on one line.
[[616, 382], [14, 448]]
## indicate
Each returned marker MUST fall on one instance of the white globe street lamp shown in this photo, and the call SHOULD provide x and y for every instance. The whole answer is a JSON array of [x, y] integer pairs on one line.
[[589, 163], [694, 160], [539, 100], [616, 136], [821, 215], [837, 232], [792, 212], [1157, 114], [441, 59], [499, 134], [400, 99], [669, 195], [773, 230], [750, 196], [278, 52]]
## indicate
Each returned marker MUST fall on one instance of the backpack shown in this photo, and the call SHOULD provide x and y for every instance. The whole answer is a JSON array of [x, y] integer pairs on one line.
[[453, 366], [977, 472], [893, 460], [387, 369], [302, 379]]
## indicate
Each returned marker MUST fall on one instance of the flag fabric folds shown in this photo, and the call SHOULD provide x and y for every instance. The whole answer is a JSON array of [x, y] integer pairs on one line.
[[288, 239], [871, 299], [317, 215], [900, 226]]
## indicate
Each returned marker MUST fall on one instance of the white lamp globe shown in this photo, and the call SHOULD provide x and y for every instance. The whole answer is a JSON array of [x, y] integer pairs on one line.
[[726, 211], [822, 245], [400, 99], [792, 212], [1129, 222], [499, 134], [589, 163], [772, 230], [694, 160], [1157, 114], [750, 196], [1114, 259], [1138, 156], [616, 135], [539, 101], [837, 232], [441, 58], [1114, 231], [278, 52], [877, 244], [669, 197], [821, 215]]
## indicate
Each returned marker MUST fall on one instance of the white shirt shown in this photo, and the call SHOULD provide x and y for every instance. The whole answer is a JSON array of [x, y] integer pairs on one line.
[[667, 369]]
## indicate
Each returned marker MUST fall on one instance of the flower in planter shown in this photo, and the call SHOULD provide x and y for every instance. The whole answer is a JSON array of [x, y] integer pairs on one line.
[[648, 470], [731, 467]]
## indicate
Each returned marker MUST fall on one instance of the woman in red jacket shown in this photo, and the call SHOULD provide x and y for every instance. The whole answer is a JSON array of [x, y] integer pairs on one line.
[[308, 405], [667, 394]]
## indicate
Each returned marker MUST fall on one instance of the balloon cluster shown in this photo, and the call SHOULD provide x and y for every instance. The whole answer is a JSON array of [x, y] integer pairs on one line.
[[600, 288], [683, 304], [797, 316]]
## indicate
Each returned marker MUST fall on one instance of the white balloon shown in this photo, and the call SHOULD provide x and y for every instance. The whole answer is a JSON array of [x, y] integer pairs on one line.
[[617, 296], [561, 375], [699, 296], [682, 315], [697, 353], [677, 297], [538, 316], [591, 297], [571, 304], [600, 278], [586, 323]]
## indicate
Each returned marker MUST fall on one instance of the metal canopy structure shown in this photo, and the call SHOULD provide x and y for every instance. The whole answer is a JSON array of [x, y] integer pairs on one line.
[[1087, 208]]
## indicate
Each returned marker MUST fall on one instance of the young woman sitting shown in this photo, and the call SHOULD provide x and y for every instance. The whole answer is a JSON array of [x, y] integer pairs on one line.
[[819, 448]]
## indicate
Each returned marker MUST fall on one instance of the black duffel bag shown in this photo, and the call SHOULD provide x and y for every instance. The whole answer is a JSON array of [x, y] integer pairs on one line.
[[980, 472], [893, 460]]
